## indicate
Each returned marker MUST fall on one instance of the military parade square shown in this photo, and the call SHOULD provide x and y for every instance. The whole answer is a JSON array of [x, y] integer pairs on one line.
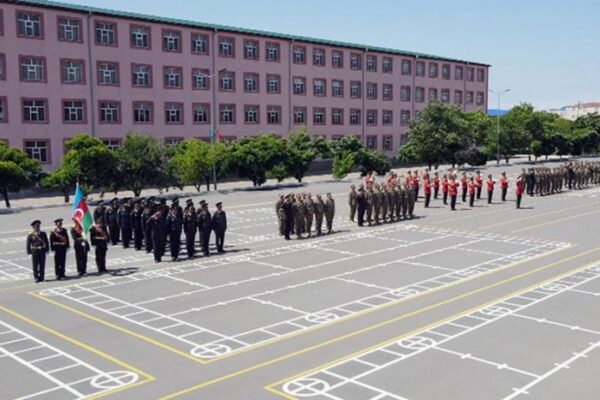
[[195, 210]]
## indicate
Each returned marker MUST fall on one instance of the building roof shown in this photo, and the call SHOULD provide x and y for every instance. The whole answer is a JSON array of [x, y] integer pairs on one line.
[[585, 105], [225, 28]]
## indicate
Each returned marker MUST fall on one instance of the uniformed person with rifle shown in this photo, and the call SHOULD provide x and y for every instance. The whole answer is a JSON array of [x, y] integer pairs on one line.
[[99, 239], [37, 247], [82, 248], [204, 227], [329, 212], [189, 227], [59, 244], [219, 225]]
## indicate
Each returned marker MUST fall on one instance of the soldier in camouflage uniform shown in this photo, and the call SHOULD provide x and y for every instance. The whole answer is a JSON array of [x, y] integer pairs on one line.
[[405, 194], [352, 202], [376, 203], [309, 211], [279, 212], [411, 195], [319, 209], [370, 205], [329, 212], [298, 216], [385, 202]]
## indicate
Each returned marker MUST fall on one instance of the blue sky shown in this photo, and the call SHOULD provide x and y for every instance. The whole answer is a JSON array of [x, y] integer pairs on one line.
[[547, 52]]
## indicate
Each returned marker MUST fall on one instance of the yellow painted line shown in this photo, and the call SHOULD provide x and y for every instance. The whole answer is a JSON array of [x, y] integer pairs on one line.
[[271, 387], [372, 327], [147, 377], [572, 217]]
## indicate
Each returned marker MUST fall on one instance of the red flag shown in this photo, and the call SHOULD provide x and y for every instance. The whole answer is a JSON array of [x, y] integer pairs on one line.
[[219, 135]]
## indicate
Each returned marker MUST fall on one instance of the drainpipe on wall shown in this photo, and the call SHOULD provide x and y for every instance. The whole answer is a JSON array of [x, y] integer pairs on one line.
[[90, 74], [363, 93], [465, 88], [289, 86]]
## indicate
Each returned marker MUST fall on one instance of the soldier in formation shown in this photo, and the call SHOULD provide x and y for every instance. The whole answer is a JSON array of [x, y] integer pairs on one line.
[[37, 247], [59, 244], [298, 213]]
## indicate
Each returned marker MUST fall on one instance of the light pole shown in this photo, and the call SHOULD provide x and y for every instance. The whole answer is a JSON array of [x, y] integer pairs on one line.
[[498, 124], [213, 117]]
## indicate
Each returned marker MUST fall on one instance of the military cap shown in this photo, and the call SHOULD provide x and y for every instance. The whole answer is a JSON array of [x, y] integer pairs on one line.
[[56, 221], [189, 201], [36, 222], [114, 200], [175, 200], [162, 200], [202, 202], [219, 204]]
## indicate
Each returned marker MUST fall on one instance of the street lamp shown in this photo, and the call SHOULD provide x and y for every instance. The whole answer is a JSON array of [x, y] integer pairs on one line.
[[498, 124], [213, 106]]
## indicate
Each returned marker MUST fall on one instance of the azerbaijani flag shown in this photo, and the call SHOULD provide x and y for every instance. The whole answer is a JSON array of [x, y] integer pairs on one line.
[[81, 214]]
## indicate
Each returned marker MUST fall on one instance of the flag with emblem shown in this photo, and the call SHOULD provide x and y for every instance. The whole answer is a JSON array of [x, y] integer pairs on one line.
[[81, 214]]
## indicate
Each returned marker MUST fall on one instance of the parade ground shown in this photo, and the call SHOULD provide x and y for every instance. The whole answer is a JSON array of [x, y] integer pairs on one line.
[[488, 302]]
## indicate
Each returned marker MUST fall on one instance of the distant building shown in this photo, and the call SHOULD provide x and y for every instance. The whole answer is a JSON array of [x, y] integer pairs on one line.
[[575, 111], [494, 112]]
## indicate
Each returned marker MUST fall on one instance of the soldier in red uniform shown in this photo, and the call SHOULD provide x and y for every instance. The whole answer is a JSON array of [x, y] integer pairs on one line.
[[472, 186], [436, 185], [415, 185], [490, 188], [478, 184], [464, 183], [445, 189], [453, 190], [504, 185], [427, 190], [520, 188]]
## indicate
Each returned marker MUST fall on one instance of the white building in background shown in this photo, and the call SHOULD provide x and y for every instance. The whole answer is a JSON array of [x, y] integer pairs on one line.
[[574, 111]]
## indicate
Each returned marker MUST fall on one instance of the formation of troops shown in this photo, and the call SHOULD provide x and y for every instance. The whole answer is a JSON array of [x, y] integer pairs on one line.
[[297, 213], [143, 224]]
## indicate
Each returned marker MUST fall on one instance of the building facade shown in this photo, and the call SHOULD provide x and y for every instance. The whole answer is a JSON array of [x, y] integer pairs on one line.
[[575, 111], [68, 69]]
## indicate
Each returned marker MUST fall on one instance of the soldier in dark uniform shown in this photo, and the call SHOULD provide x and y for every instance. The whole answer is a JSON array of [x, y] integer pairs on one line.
[[319, 208], [174, 226], [329, 212], [110, 218], [37, 247], [59, 244], [189, 227], [124, 222], [219, 225], [100, 210], [156, 227], [82, 248], [137, 225], [352, 202], [99, 239], [288, 214], [204, 227], [531, 182], [361, 205], [163, 207], [178, 208], [149, 211]]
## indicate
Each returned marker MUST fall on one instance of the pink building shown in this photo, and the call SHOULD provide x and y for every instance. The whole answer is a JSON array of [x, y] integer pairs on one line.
[[67, 69]]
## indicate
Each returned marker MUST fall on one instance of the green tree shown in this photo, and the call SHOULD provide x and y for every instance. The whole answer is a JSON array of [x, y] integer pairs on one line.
[[301, 152], [515, 135], [139, 162], [536, 148], [61, 179], [192, 161], [17, 171], [342, 165], [478, 127], [253, 156], [368, 161]]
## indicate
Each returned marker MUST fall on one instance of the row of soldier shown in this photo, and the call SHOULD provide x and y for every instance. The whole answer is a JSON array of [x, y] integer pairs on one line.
[[296, 214], [543, 181], [141, 222]]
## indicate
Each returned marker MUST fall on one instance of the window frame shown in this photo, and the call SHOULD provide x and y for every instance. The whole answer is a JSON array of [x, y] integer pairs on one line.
[[134, 107], [207, 110], [194, 36], [118, 108], [268, 84], [220, 40], [180, 107], [41, 22], [4, 104], [148, 36], [275, 45], [233, 111], [256, 110], [48, 150], [274, 108], [150, 76], [83, 76], [58, 28], [83, 120], [204, 72], [44, 100], [44, 69], [115, 33], [164, 74], [256, 44]]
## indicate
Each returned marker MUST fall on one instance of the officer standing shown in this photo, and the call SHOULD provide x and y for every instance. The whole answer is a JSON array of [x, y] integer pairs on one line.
[[369, 197], [189, 227], [99, 239], [149, 211], [309, 211], [288, 217], [37, 247], [124, 223], [519, 189], [319, 212], [329, 212], [156, 228], [82, 248], [453, 190], [503, 185], [279, 213], [219, 225], [478, 184], [174, 228], [352, 202], [59, 244], [361, 205], [110, 217], [436, 185], [137, 225], [100, 210], [298, 216], [490, 188], [204, 227]]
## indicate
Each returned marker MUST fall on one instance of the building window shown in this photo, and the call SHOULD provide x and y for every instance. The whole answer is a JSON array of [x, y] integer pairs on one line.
[[386, 117], [319, 57], [337, 116], [355, 90], [371, 142], [387, 65], [404, 117], [299, 85], [110, 112], [371, 117], [251, 49], [71, 71], [73, 111], [29, 25], [337, 59], [200, 79], [355, 61], [227, 81], [273, 83], [458, 73], [108, 73], [406, 67], [106, 34], [433, 70], [226, 47], [469, 98], [299, 55], [299, 115], [69, 29], [386, 143], [319, 87], [405, 93], [420, 68], [172, 77], [272, 51], [372, 63], [141, 75], [274, 115], [199, 43], [445, 96], [32, 69], [355, 117], [480, 98], [445, 71], [371, 90], [201, 113], [173, 142], [480, 75], [142, 112], [251, 83], [2, 67], [318, 116], [419, 94], [458, 97], [112, 144], [174, 113], [140, 37], [37, 149], [337, 88], [470, 74], [171, 41], [433, 94], [387, 91], [227, 113], [251, 113], [3, 110], [34, 110]]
